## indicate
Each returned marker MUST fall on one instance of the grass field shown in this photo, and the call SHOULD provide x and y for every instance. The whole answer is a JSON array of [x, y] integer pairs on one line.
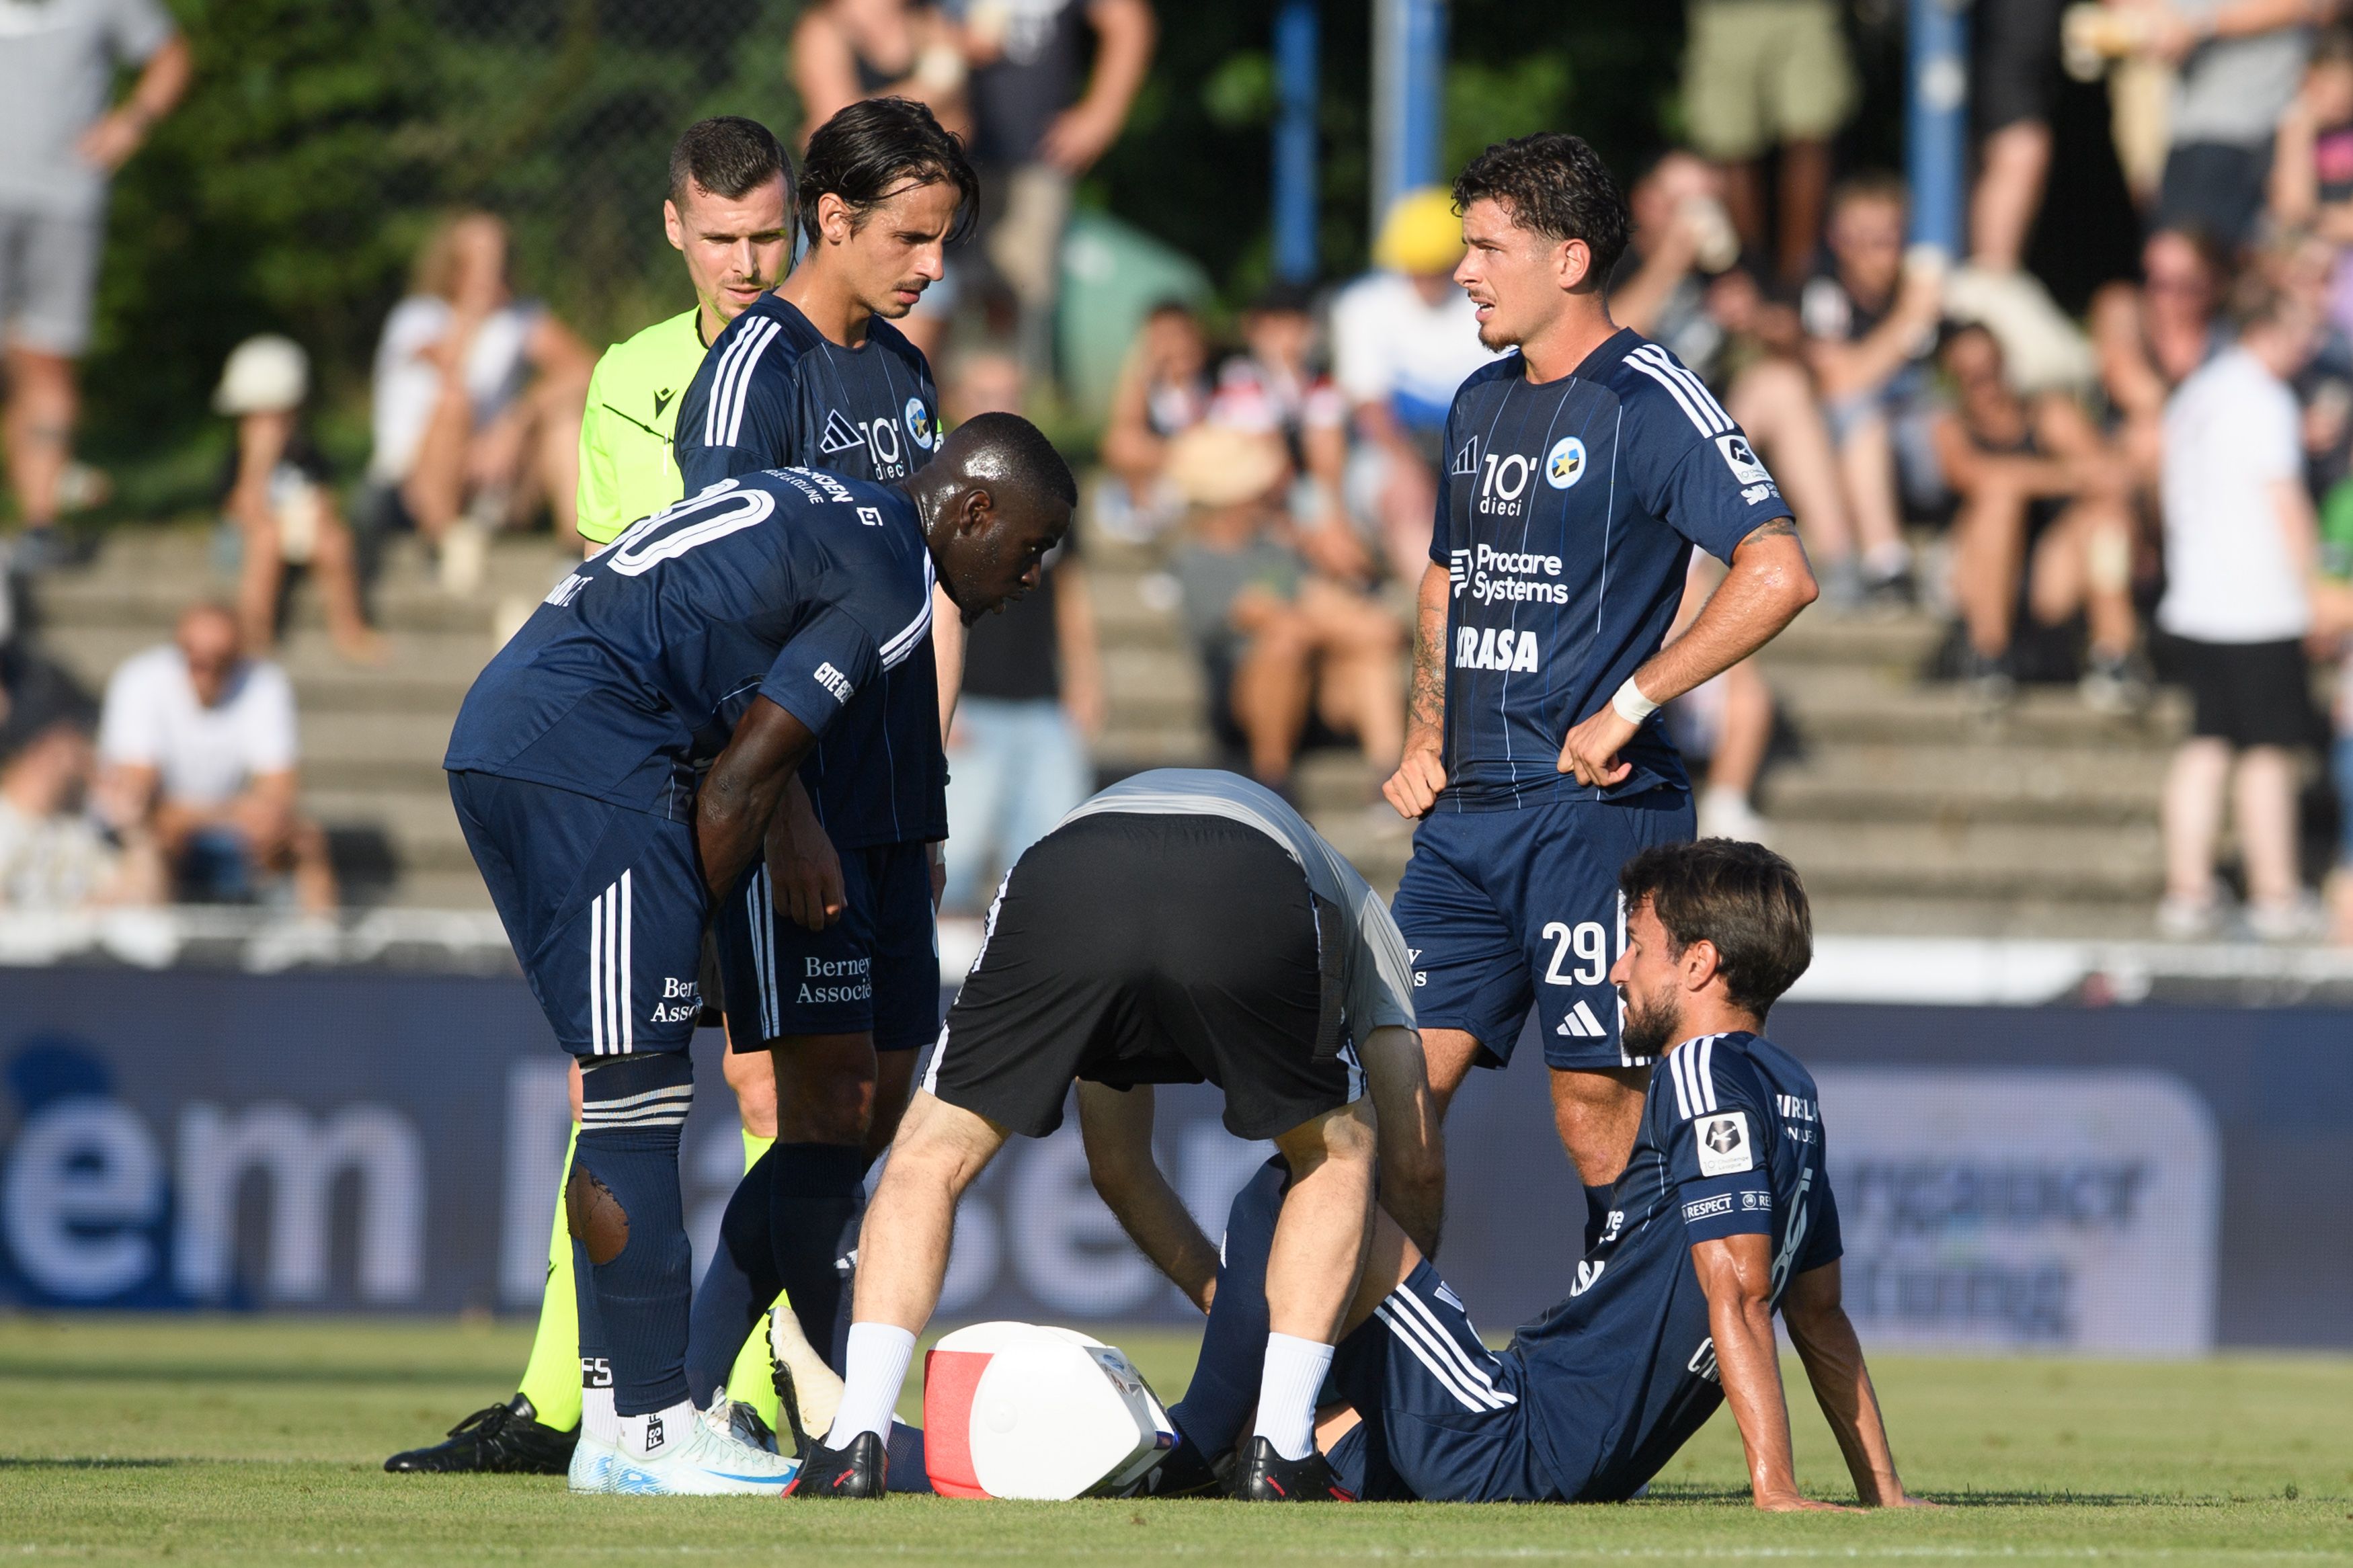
[[205, 1441]]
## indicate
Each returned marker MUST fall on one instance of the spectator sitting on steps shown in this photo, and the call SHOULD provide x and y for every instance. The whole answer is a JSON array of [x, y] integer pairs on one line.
[[2037, 485], [278, 495], [478, 404], [1282, 641], [54, 855], [199, 745]]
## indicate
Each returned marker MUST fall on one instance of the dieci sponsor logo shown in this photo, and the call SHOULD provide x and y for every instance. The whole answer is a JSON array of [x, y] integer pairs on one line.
[[2063, 1209]]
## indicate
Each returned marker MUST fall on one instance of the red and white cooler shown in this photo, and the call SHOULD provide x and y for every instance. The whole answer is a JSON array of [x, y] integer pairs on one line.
[[1017, 1410]]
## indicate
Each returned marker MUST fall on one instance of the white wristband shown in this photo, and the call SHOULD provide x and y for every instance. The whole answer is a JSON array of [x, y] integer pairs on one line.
[[1631, 704]]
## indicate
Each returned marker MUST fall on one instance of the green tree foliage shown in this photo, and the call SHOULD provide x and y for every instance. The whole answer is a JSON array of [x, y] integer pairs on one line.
[[323, 139]]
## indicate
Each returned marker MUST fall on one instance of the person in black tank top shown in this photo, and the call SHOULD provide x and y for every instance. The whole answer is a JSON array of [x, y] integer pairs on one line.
[[2033, 477]]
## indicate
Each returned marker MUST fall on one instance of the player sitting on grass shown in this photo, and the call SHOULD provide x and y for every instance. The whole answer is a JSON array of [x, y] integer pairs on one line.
[[729, 628], [1181, 926], [1724, 1215]]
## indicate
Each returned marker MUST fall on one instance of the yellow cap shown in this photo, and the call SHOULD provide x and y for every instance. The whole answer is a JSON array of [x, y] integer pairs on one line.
[[1421, 235]]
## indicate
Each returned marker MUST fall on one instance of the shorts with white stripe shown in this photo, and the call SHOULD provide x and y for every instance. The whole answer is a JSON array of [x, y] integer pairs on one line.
[[874, 971], [1443, 1417], [604, 907]]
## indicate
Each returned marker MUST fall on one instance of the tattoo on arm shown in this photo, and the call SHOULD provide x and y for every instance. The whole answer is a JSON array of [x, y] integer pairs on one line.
[[1427, 707], [1779, 528]]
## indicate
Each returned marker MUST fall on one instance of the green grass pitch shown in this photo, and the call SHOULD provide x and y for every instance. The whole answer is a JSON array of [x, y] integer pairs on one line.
[[210, 1440]]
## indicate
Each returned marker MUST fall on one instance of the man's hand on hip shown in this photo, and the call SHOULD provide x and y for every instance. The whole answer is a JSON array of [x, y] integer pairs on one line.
[[1591, 750]]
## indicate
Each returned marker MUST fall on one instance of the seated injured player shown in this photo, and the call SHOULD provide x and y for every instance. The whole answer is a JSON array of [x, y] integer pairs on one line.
[[1723, 1216], [1181, 926]]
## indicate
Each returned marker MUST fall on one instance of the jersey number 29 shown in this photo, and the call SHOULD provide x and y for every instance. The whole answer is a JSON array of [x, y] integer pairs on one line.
[[1588, 942]]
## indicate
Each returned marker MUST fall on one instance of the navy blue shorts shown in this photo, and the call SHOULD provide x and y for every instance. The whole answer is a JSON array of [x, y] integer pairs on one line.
[[604, 907], [1442, 1415], [1503, 910], [875, 970]]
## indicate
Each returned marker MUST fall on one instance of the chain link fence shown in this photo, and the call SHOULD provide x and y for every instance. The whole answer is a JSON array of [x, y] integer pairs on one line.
[[324, 140]]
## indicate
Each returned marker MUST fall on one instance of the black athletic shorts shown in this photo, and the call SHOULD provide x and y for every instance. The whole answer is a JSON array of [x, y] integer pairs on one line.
[[2250, 694], [2017, 75], [1128, 948]]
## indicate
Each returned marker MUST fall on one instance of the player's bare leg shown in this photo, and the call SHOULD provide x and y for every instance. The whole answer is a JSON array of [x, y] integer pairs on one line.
[[902, 1259], [754, 1080], [1418, 1191], [1597, 1113], [1312, 1272]]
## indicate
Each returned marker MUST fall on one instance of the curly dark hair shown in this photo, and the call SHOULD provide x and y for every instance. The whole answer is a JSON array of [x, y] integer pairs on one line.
[[1553, 184], [1741, 896], [875, 146]]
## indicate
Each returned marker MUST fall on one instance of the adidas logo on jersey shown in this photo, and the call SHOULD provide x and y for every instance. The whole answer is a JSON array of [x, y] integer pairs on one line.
[[1496, 648], [1579, 1023], [840, 435], [1466, 461]]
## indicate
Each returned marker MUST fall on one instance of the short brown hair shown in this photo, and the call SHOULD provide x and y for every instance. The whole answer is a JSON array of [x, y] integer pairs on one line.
[[729, 156], [1746, 900]]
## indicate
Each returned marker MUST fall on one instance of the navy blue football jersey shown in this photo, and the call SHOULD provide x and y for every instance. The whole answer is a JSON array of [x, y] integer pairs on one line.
[[1566, 519], [793, 585], [773, 393], [1622, 1372]]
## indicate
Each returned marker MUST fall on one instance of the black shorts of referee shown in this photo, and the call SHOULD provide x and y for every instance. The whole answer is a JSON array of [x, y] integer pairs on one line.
[[1130, 949]]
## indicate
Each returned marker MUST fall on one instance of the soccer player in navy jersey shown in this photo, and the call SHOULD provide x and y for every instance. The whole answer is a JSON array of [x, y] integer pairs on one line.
[[1580, 472], [827, 951], [614, 769], [1723, 1216]]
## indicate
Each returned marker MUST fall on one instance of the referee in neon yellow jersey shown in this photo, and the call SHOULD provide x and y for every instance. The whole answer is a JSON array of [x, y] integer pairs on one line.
[[730, 214]]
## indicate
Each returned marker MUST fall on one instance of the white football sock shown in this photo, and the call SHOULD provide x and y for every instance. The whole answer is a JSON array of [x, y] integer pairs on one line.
[[657, 1432], [1286, 1392], [879, 1354], [597, 1422]]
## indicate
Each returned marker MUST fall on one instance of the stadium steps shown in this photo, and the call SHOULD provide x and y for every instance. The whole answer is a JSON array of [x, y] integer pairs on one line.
[[372, 737], [1910, 807]]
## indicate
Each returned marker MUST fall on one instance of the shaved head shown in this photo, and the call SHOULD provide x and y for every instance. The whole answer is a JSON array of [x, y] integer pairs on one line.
[[996, 498]]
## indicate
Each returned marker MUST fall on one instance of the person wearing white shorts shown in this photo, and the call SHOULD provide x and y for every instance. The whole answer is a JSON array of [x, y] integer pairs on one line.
[[59, 143]]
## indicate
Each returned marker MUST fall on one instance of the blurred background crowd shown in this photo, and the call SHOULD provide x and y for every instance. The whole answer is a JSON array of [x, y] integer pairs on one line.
[[302, 302]]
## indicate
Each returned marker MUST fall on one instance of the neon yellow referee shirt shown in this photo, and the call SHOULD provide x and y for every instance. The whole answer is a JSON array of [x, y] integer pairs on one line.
[[626, 470]]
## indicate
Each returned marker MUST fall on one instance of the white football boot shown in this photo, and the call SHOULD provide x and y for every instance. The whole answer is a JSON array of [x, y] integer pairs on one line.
[[701, 1458], [592, 1464]]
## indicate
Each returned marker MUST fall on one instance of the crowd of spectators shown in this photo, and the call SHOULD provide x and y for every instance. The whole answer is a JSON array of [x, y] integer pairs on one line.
[[2154, 494]]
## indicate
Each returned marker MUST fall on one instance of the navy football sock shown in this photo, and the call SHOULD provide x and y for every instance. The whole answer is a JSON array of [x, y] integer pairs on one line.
[[905, 1447], [624, 1205], [814, 1193], [735, 1289], [596, 1354], [1597, 1214], [1218, 1401]]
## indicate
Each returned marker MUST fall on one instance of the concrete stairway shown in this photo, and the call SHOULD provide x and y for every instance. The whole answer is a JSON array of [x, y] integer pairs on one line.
[[1909, 810], [372, 737]]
